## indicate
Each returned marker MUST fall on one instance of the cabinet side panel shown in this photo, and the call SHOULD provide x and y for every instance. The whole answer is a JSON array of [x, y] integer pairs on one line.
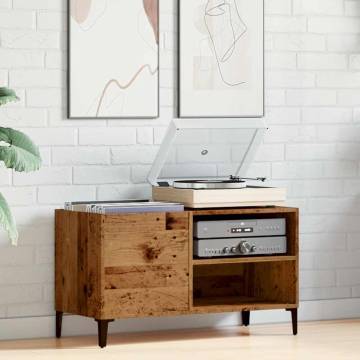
[[82, 248], [66, 263], [59, 235], [78, 263], [191, 256], [95, 266], [292, 232], [296, 231]]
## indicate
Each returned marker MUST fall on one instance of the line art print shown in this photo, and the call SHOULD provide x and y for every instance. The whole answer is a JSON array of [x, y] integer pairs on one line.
[[125, 86], [229, 11], [221, 58], [114, 58]]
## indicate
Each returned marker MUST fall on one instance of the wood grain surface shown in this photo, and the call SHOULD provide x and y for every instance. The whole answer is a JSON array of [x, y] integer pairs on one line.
[[105, 265], [134, 265], [79, 270]]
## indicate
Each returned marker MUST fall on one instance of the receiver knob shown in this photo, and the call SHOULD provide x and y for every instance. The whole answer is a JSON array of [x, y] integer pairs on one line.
[[245, 247], [234, 249], [253, 249], [226, 250]]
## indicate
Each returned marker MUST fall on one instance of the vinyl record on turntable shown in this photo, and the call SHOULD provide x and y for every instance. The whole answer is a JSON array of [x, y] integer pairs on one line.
[[209, 184]]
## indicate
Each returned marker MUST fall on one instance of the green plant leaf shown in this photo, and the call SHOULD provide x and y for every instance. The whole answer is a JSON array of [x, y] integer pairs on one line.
[[7, 220], [19, 152], [7, 95]]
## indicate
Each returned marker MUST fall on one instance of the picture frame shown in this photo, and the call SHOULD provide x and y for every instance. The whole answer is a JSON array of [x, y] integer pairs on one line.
[[104, 81], [218, 75]]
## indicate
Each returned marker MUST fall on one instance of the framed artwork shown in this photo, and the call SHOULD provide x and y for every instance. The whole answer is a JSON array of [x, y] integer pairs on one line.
[[113, 59], [221, 58]]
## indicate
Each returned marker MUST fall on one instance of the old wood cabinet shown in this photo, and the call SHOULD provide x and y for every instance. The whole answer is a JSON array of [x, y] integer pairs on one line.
[[135, 265]]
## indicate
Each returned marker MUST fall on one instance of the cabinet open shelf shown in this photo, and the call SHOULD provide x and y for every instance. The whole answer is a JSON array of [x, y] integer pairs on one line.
[[240, 284], [225, 304], [243, 260]]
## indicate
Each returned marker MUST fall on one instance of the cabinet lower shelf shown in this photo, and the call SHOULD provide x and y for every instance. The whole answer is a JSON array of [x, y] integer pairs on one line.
[[229, 303]]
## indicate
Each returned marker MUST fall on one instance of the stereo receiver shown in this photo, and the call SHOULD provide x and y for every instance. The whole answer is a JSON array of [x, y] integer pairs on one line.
[[240, 237]]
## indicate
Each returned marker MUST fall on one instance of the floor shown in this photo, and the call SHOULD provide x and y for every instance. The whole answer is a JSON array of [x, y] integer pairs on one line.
[[316, 340]]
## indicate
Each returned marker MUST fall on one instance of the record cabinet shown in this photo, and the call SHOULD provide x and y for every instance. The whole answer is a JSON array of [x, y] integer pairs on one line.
[[112, 267]]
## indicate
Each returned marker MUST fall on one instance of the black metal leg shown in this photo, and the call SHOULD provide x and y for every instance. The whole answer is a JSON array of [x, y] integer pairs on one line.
[[245, 317], [294, 318], [59, 316], [102, 331]]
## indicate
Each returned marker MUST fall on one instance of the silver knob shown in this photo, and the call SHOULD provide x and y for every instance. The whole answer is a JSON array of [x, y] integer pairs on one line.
[[245, 247], [253, 249], [234, 249], [226, 250]]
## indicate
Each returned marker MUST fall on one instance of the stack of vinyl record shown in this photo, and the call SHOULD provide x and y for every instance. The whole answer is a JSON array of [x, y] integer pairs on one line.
[[123, 206]]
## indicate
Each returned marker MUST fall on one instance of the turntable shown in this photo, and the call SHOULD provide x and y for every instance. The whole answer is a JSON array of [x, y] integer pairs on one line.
[[202, 164]]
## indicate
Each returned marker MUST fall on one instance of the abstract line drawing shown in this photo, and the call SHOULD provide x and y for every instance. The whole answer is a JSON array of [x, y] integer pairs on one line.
[[221, 58], [225, 28], [113, 58], [124, 86]]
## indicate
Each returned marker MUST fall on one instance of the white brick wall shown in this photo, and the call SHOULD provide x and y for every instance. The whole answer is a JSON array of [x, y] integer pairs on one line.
[[313, 146]]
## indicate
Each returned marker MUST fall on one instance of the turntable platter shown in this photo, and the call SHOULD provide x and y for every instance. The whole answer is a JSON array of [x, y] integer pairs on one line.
[[209, 184]]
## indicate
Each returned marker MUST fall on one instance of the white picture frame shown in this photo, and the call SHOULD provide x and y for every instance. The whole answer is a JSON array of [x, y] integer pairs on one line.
[[113, 59], [221, 58]]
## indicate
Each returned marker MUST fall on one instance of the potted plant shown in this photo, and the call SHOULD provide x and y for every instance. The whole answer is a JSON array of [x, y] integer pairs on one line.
[[17, 152]]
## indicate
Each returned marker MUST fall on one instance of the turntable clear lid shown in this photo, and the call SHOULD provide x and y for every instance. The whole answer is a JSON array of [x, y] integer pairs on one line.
[[206, 149]]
